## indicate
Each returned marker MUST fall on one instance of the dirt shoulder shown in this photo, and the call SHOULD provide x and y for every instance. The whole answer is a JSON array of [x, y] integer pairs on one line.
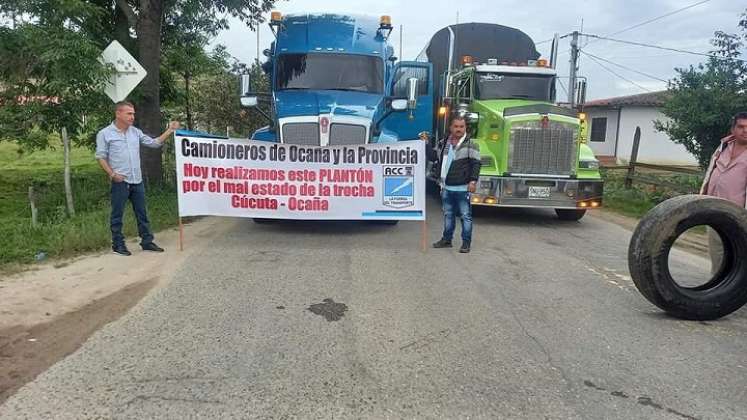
[[49, 311]]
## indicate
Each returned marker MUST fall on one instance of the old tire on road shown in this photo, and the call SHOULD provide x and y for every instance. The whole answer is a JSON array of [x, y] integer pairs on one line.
[[648, 257]]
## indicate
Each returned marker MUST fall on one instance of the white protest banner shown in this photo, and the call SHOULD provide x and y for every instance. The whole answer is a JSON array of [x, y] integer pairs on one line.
[[243, 178]]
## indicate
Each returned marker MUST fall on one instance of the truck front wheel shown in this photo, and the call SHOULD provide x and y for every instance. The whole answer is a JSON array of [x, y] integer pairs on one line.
[[569, 214]]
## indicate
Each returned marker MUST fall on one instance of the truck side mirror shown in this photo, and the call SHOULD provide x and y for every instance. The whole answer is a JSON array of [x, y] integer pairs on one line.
[[412, 93], [399, 104], [248, 101], [247, 98]]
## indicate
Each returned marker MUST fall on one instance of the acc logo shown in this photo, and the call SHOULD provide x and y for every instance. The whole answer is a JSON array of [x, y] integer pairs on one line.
[[399, 186]]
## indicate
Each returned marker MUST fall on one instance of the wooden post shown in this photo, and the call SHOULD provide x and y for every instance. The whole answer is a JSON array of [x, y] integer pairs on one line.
[[633, 158], [68, 185], [34, 211], [424, 236], [181, 235]]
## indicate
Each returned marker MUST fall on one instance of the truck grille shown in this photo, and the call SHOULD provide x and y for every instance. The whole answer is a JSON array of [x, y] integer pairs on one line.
[[306, 133], [549, 150], [341, 134]]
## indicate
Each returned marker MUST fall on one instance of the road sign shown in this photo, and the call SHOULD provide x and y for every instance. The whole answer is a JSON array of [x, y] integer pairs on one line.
[[128, 72]]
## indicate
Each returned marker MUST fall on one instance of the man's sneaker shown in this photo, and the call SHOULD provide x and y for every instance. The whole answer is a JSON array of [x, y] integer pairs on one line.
[[442, 243], [152, 247], [121, 250], [465, 247]]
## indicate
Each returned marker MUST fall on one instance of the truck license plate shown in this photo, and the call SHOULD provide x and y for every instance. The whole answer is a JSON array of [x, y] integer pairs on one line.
[[539, 192]]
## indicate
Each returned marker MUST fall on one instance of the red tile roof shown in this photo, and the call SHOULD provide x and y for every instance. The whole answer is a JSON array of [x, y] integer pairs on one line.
[[654, 99]]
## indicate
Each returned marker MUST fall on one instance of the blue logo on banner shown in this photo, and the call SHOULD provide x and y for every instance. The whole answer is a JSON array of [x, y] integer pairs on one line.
[[398, 186]]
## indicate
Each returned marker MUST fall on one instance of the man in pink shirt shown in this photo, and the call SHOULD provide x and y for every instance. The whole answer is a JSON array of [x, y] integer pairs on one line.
[[726, 178]]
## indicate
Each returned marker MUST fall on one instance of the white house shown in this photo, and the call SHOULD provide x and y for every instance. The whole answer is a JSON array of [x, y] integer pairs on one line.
[[612, 123]]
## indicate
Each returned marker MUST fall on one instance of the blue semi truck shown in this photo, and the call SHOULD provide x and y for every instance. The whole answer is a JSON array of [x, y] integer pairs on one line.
[[334, 80]]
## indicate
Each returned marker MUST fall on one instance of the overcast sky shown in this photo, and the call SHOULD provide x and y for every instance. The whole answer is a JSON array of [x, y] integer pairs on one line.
[[687, 30]]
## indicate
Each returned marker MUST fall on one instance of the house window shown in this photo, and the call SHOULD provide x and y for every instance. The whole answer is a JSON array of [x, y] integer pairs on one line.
[[598, 129]]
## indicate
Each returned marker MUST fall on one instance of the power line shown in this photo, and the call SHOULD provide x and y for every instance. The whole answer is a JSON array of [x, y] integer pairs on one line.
[[624, 67], [646, 22], [616, 74], [638, 57], [563, 86], [640, 44], [682, 9]]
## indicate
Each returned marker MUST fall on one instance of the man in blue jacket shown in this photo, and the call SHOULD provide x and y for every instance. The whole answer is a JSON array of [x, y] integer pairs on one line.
[[460, 169]]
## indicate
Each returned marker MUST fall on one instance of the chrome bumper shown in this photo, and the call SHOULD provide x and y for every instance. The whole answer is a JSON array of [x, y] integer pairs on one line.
[[556, 193]]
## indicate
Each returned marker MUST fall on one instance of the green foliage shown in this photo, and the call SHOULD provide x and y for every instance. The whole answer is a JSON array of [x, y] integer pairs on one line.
[[217, 103], [50, 76], [208, 17], [58, 235], [638, 200], [704, 98], [51, 79]]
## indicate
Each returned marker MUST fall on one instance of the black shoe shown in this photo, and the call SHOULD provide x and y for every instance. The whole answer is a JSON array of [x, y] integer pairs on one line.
[[442, 243], [152, 247], [465, 247], [121, 250]]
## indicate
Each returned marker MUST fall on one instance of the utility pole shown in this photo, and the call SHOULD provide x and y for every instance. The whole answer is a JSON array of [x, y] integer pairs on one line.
[[258, 44], [574, 70], [400, 42]]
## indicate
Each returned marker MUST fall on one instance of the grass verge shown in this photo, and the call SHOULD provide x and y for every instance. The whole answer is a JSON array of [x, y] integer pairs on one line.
[[58, 235], [638, 200]]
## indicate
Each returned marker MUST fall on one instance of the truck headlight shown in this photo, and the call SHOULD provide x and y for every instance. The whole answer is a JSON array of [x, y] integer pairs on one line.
[[588, 164]]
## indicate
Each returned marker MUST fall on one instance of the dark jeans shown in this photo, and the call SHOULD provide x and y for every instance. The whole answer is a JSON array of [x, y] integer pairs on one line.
[[452, 202], [121, 192]]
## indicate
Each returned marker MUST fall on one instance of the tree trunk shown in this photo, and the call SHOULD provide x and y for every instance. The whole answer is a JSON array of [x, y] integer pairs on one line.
[[68, 184], [190, 122], [149, 109], [122, 31]]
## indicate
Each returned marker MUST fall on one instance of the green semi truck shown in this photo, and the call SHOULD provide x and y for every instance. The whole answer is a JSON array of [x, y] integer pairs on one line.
[[533, 152]]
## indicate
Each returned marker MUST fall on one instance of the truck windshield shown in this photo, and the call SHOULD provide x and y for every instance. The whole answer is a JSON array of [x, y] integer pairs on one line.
[[518, 86], [330, 71]]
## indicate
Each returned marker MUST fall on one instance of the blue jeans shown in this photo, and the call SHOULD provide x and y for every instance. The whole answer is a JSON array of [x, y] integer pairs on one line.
[[121, 192], [453, 201]]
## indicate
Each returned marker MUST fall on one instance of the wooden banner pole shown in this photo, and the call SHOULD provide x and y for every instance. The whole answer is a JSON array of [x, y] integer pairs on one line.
[[181, 235], [424, 236]]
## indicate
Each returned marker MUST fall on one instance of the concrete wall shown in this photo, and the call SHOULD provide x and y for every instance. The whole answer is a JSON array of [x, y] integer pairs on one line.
[[655, 147]]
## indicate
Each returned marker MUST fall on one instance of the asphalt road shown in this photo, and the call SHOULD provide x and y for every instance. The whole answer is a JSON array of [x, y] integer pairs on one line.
[[540, 321]]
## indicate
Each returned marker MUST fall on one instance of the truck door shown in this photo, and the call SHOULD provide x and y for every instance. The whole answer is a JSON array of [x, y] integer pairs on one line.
[[401, 122]]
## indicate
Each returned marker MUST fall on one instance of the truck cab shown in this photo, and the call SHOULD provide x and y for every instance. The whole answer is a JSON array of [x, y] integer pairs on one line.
[[533, 152], [334, 80]]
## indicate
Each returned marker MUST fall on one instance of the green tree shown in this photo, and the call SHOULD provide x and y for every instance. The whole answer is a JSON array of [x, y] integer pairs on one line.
[[217, 105], [146, 18], [187, 61], [144, 27], [703, 99], [50, 79]]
